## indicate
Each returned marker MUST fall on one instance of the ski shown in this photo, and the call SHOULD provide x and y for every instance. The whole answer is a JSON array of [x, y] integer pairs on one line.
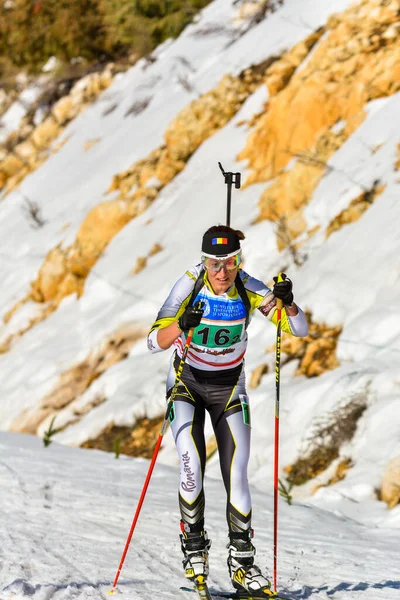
[[230, 595], [201, 588]]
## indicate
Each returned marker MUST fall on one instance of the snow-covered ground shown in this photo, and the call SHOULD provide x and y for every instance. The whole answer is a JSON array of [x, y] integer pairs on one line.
[[342, 536], [66, 514], [11, 119]]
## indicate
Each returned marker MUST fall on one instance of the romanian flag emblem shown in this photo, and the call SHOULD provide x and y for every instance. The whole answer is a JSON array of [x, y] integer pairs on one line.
[[219, 241]]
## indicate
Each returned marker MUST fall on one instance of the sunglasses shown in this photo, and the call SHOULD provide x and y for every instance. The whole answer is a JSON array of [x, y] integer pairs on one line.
[[215, 265]]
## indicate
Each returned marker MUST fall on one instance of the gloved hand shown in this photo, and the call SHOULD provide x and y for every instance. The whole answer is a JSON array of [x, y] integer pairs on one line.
[[283, 289], [191, 317]]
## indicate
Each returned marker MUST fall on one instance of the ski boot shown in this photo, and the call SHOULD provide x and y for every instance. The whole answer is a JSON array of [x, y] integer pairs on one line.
[[195, 547], [245, 575]]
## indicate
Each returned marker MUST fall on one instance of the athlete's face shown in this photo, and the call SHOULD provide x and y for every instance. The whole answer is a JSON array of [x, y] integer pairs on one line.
[[222, 280]]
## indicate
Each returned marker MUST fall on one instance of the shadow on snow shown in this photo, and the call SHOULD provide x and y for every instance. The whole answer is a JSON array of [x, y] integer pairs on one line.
[[23, 587], [307, 591]]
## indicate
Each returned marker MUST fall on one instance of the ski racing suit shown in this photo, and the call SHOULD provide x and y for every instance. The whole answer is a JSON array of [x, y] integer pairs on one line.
[[213, 379]]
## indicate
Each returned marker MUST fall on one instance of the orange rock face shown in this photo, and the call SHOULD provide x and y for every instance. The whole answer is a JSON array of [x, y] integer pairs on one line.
[[390, 491], [190, 128], [64, 270], [358, 60], [355, 209], [316, 352]]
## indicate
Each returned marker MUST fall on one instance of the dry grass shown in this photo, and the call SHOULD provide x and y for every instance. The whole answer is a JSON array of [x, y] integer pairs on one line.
[[137, 440], [356, 208], [340, 473], [328, 436]]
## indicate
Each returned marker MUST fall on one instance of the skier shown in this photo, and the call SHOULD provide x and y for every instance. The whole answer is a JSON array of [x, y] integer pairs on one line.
[[213, 379]]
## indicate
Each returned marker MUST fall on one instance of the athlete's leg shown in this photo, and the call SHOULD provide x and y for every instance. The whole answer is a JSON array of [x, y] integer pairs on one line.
[[230, 416], [231, 421], [187, 425]]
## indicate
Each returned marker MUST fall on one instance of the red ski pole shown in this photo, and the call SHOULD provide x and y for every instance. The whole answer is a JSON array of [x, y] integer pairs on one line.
[[276, 449], [155, 454]]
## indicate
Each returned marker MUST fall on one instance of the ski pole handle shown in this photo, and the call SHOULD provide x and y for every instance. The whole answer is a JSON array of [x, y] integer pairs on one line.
[[279, 301]]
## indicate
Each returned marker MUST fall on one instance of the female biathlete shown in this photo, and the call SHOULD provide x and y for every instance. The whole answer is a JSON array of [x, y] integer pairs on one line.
[[217, 298]]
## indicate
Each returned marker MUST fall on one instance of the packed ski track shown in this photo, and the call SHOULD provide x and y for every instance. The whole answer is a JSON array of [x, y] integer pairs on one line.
[[66, 514]]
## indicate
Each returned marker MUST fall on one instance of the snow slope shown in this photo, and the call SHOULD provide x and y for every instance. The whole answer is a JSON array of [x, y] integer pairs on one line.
[[67, 512]]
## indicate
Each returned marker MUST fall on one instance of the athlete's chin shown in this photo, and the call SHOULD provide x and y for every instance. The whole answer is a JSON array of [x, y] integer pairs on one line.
[[222, 286]]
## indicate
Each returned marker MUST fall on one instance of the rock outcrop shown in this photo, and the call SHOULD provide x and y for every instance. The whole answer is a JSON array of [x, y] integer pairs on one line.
[[203, 117], [315, 352], [257, 375], [358, 60], [390, 489], [355, 209], [138, 440], [26, 149], [76, 380]]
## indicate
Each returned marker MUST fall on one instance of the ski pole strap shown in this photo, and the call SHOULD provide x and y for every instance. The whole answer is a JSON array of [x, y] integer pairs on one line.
[[197, 287], [243, 295]]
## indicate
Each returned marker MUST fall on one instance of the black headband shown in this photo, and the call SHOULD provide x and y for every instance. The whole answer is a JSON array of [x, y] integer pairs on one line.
[[220, 243]]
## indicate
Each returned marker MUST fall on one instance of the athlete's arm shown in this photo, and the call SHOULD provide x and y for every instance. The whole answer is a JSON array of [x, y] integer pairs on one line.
[[262, 298], [190, 318], [292, 310], [165, 330], [167, 335]]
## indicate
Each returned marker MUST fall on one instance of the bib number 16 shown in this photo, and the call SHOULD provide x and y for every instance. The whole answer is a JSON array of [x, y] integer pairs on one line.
[[210, 336]]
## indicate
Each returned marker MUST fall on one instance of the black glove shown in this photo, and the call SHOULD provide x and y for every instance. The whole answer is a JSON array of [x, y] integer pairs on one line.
[[191, 317], [283, 290]]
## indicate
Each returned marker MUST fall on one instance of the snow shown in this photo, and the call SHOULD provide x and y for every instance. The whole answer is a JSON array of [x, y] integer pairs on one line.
[[11, 119], [51, 65], [67, 514], [67, 511]]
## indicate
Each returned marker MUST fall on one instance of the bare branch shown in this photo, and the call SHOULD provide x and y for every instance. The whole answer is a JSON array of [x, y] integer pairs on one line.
[[183, 80], [33, 213], [138, 107]]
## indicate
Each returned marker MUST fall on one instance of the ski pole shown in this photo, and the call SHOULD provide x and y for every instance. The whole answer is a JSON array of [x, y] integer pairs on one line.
[[230, 178], [276, 448], [155, 454]]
